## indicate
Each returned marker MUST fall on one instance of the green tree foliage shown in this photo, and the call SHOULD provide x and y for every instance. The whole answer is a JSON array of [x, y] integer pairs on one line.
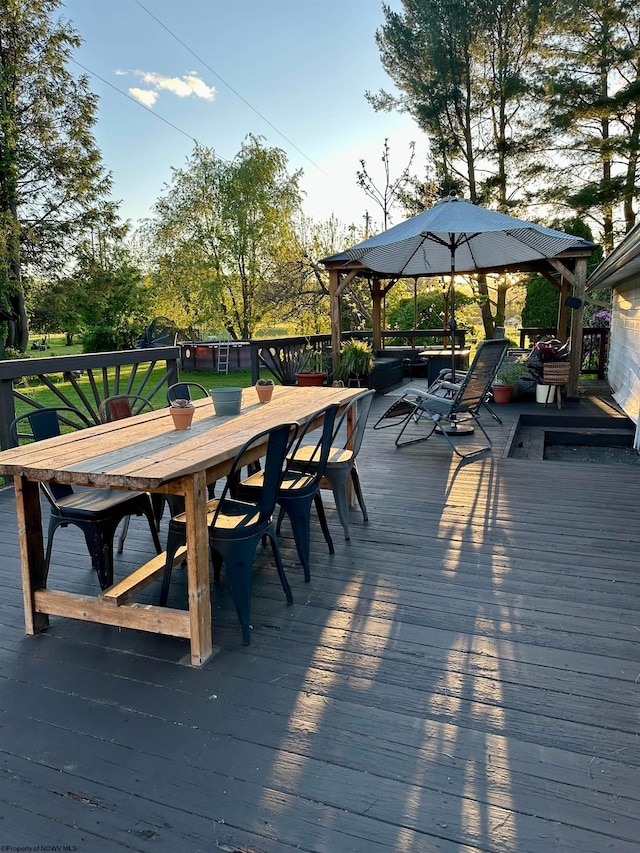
[[462, 67], [592, 87], [217, 236], [111, 297], [542, 300], [52, 183], [427, 311], [54, 306], [541, 303]]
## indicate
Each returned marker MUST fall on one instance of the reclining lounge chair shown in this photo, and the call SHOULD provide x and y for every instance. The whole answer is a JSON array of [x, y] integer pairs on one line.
[[448, 404]]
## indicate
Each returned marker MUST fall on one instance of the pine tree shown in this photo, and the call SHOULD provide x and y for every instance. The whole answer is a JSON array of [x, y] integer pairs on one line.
[[52, 183]]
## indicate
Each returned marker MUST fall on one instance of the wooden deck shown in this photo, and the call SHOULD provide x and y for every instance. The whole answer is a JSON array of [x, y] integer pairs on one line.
[[461, 676]]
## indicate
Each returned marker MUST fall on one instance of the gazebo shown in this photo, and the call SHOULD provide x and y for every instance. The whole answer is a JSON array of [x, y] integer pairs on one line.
[[456, 237]]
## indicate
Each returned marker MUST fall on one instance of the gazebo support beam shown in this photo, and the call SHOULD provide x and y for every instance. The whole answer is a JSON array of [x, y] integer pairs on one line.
[[376, 317], [336, 316], [575, 357]]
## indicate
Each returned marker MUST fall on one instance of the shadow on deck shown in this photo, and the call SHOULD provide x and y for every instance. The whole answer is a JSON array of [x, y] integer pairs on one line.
[[461, 675]]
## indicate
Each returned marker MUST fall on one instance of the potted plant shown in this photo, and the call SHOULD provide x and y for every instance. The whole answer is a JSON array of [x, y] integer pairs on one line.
[[312, 371], [506, 378], [264, 389], [356, 361], [181, 412]]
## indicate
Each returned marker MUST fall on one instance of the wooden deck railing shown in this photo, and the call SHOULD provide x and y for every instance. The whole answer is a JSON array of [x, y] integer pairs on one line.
[[281, 355], [83, 381], [595, 342]]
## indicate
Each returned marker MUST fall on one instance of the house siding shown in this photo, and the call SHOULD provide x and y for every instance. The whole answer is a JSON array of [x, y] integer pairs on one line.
[[624, 352]]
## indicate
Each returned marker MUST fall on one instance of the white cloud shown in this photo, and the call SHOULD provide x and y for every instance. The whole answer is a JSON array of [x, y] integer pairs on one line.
[[146, 96], [183, 87]]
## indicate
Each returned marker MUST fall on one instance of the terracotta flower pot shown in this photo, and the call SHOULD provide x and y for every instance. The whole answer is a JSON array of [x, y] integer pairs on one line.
[[501, 393], [182, 417], [311, 378], [264, 392]]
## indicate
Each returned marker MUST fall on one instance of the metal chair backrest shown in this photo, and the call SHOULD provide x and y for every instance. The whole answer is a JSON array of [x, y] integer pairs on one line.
[[47, 423], [478, 378], [352, 438], [278, 440], [314, 462], [185, 391], [120, 406]]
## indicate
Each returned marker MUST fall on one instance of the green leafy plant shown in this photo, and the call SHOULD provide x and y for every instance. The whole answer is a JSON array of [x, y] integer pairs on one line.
[[510, 372], [356, 359], [313, 362]]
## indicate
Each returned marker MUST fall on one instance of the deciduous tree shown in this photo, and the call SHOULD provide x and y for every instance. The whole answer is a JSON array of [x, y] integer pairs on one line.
[[218, 230]]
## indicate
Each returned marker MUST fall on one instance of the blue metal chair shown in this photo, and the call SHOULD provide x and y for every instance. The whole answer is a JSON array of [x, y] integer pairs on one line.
[[300, 487], [97, 512], [236, 526]]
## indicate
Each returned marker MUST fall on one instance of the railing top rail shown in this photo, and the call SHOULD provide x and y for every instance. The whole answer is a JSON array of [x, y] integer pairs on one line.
[[290, 340], [16, 367]]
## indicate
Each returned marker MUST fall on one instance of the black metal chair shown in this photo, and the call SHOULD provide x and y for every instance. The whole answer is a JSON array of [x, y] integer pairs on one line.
[[448, 404], [236, 526], [186, 391], [97, 512], [300, 487], [341, 461]]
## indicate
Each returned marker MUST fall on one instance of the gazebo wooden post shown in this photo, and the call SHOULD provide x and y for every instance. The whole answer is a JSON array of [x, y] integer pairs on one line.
[[336, 318], [376, 314], [577, 319]]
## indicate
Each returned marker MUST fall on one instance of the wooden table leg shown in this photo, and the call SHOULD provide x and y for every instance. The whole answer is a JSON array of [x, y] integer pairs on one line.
[[195, 504], [31, 551]]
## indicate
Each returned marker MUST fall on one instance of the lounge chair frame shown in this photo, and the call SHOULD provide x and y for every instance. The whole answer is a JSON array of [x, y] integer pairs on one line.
[[448, 405]]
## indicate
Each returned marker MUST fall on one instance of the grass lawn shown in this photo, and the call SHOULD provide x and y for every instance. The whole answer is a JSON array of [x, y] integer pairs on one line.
[[57, 346]]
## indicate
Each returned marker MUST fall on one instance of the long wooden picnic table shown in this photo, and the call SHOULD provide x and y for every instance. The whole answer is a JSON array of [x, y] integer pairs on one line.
[[145, 453]]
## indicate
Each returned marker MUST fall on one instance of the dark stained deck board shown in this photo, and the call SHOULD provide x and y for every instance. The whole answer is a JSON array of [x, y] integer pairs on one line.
[[148, 718], [461, 676]]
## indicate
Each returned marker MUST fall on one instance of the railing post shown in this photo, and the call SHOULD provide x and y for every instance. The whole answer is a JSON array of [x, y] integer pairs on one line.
[[255, 365], [173, 374], [602, 353], [7, 411]]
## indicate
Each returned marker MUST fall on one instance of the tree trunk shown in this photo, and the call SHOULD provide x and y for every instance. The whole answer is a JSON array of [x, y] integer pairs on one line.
[[632, 165], [485, 307], [21, 323]]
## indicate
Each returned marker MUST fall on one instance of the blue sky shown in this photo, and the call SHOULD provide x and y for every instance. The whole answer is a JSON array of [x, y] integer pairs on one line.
[[304, 65]]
